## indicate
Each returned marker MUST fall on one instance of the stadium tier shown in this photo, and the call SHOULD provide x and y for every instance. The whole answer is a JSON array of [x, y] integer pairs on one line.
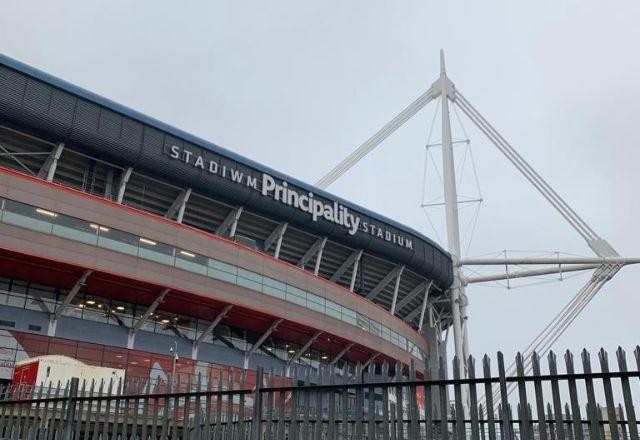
[[122, 237]]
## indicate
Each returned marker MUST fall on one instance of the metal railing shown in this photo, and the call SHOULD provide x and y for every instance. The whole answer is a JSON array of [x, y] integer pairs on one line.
[[366, 404]]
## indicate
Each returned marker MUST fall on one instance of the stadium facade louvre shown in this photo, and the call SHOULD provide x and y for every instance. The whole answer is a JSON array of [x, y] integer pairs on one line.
[[120, 232]]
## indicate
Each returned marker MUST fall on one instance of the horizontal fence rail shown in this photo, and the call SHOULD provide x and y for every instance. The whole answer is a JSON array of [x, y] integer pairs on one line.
[[368, 403]]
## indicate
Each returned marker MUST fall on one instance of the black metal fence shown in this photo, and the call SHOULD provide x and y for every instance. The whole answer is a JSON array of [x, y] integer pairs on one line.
[[365, 404]]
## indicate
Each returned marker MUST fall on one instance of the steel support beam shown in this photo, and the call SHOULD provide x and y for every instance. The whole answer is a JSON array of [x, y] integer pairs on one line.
[[354, 273], [304, 348], [396, 289], [530, 273], [276, 237], [219, 317], [414, 292], [48, 169], [393, 273], [313, 250], [423, 309], [547, 261], [138, 325], [340, 355], [122, 186], [316, 269], [411, 315], [370, 360], [178, 206], [230, 223], [260, 341], [346, 264], [79, 284]]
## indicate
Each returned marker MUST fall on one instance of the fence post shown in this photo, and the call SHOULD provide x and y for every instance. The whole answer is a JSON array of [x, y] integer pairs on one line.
[[70, 412], [257, 407]]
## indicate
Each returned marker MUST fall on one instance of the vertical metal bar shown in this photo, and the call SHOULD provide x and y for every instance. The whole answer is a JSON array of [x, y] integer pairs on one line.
[[269, 428], [399, 403], [503, 395], [569, 421], [116, 413], [537, 385], [175, 408], [146, 390], [70, 414], [359, 403], [550, 416], [87, 423], [18, 392], [306, 401], [136, 410], [626, 394], [154, 421], [125, 415], [371, 402], [444, 428], [459, 432], [386, 425], [207, 408], [197, 410], [33, 426], [473, 400], [344, 424], [282, 397], [573, 396], [4, 410], [52, 420], [555, 392], [165, 410], [594, 427], [257, 407], [623, 426], [428, 402], [331, 413], [488, 392], [524, 405], [608, 395], [241, 408], [217, 428], [107, 412], [317, 432], [96, 425], [414, 414]]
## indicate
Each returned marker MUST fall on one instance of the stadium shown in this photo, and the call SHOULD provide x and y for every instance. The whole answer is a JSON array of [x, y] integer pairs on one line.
[[122, 237]]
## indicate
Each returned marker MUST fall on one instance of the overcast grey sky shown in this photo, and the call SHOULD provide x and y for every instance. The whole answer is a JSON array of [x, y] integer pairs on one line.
[[298, 85]]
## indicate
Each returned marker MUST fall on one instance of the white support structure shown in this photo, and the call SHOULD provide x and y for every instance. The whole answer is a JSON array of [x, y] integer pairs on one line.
[[340, 355], [608, 262], [316, 249], [150, 310], [393, 273], [219, 317], [304, 348], [179, 205], [411, 295], [260, 341], [354, 272], [411, 315], [276, 237], [230, 223], [349, 262], [122, 186], [79, 284], [396, 289], [423, 309], [48, 169]]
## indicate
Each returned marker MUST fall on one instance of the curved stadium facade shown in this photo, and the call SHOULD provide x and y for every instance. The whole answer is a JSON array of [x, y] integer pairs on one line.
[[121, 236]]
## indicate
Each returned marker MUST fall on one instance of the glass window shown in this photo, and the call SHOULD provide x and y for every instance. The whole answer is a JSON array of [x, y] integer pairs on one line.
[[274, 288], [154, 251], [363, 322], [315, 302], [75, 229], [192, 262], [334, 309], [249, 279], [222, 271], [27, 216], [375, 327], [118, 241], [349, 315], [297, 296]]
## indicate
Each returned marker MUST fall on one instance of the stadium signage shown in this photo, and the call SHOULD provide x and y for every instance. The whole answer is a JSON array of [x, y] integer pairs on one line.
[[281, 191]]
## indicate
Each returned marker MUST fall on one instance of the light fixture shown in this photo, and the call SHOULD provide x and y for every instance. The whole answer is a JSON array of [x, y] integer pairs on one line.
[[165, 321], [134, 363], [120, 308], [45, 212], [292, 351], [147, 241], [119, 356], [91, 302], [325, 357], [188, 254], [81, 306], [99, 227], [99, 306], [269, 349]]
